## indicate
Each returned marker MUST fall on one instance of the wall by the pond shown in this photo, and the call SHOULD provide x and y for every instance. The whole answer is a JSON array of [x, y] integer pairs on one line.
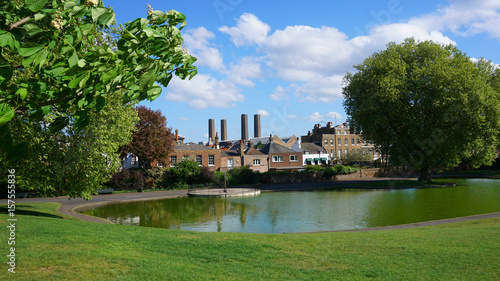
[[319, 177]]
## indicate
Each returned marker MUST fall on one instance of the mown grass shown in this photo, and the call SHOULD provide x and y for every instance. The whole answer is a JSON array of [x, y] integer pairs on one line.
[[51, 246]]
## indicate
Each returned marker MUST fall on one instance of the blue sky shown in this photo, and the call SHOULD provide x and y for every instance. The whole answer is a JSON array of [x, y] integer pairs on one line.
[[286, 59]]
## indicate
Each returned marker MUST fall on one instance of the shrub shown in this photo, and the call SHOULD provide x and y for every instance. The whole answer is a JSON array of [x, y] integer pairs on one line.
[[315, 168], [127, 180]]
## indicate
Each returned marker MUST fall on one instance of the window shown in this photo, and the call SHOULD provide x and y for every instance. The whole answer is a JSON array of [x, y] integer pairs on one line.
[[358, 141], [339, 132], [346, 151], [331, 142], [345, 132], [173, 161], [340, 153], [340, 141], [211, 160], [185, 157], [307, 152], [230, 162], [159, 164], [294, 158], [133, 160], [346, 141], [198, 159], [256, 162], [277, 158], [326, 142], [352, 141]]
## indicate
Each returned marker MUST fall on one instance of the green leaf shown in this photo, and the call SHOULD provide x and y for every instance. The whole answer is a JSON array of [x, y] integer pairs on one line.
[[22, 92], [39, 16], [97, 12], [7, 39], [82, 63], [82, 120], [76, 81], [32, 29], [69, 5], [148, 78], [85, 78], [73, 60], [154, 92], [35, 5], [6, 113], [107, 18], [58, 124], [46, 109], [26, 52]]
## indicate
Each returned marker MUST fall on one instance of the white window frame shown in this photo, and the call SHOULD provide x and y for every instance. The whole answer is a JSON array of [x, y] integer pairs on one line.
[[294, 158], [199, 159], [173, 160], [256, 162], [277, 158], [230, 162], [346, 141], [211, 160]]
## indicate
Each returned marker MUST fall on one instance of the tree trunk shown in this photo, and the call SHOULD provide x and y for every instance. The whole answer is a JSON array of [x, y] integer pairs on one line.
[[425, 175]]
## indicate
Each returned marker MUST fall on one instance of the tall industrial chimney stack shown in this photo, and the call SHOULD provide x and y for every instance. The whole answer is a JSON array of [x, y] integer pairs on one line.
[[223, 130], [244, 127], [211, 130], [256, 126]]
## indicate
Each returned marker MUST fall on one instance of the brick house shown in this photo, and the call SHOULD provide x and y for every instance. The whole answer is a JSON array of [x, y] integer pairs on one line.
[[205, 156], [282, 158]]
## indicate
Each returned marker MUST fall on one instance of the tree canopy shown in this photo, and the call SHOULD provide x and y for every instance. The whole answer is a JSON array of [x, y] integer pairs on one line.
[[75, 162], [51, 60], [427, 105], [152, 140]]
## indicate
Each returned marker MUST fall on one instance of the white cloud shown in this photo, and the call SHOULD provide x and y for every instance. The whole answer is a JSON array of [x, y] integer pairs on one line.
[[243, 73], [280, 93], [465, 18], [315, 117], [299, 53], [204, 91], [197, 43], [321, 89], [333, 115], [248, 30], [182, 118], [262, 113]]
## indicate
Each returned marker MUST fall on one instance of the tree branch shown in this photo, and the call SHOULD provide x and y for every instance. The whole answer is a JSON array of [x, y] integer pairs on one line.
[[19, 23]]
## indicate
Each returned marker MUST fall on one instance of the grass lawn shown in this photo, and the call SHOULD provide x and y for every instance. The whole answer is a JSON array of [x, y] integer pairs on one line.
[[51, 246]]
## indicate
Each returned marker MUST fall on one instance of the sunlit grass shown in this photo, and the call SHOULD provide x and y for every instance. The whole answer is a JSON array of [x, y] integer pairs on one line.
[[51, 246]]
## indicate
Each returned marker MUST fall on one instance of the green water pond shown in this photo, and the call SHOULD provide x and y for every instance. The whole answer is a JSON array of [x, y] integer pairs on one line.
[[285, 212]]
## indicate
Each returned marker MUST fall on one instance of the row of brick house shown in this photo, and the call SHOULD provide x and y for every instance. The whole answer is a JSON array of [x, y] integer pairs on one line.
[[322, 146]]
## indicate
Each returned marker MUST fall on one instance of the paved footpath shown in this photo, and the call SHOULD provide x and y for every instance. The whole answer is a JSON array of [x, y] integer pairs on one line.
[[72, 206]]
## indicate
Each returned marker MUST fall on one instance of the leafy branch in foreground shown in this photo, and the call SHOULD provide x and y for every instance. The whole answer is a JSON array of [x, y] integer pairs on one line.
[[51, 60]]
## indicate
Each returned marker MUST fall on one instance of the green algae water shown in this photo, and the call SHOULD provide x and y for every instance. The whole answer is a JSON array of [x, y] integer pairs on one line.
[[285, 212]]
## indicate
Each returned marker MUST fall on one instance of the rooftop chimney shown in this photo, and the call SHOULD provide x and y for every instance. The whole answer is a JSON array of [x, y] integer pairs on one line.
[[211, 130], [223, 130], [244, 127], [256, 126]]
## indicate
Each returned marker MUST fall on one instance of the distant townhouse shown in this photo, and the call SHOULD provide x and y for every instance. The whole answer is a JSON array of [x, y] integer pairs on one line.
[[338, 140], [205, 155], [281, 157], [244, 154]]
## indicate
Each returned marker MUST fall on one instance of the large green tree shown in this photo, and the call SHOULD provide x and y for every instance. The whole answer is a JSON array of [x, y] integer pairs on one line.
[[73, 162], [427, 105], [51, 61]]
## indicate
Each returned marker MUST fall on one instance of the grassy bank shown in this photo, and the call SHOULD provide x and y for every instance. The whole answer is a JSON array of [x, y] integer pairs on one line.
[[51, 246]]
